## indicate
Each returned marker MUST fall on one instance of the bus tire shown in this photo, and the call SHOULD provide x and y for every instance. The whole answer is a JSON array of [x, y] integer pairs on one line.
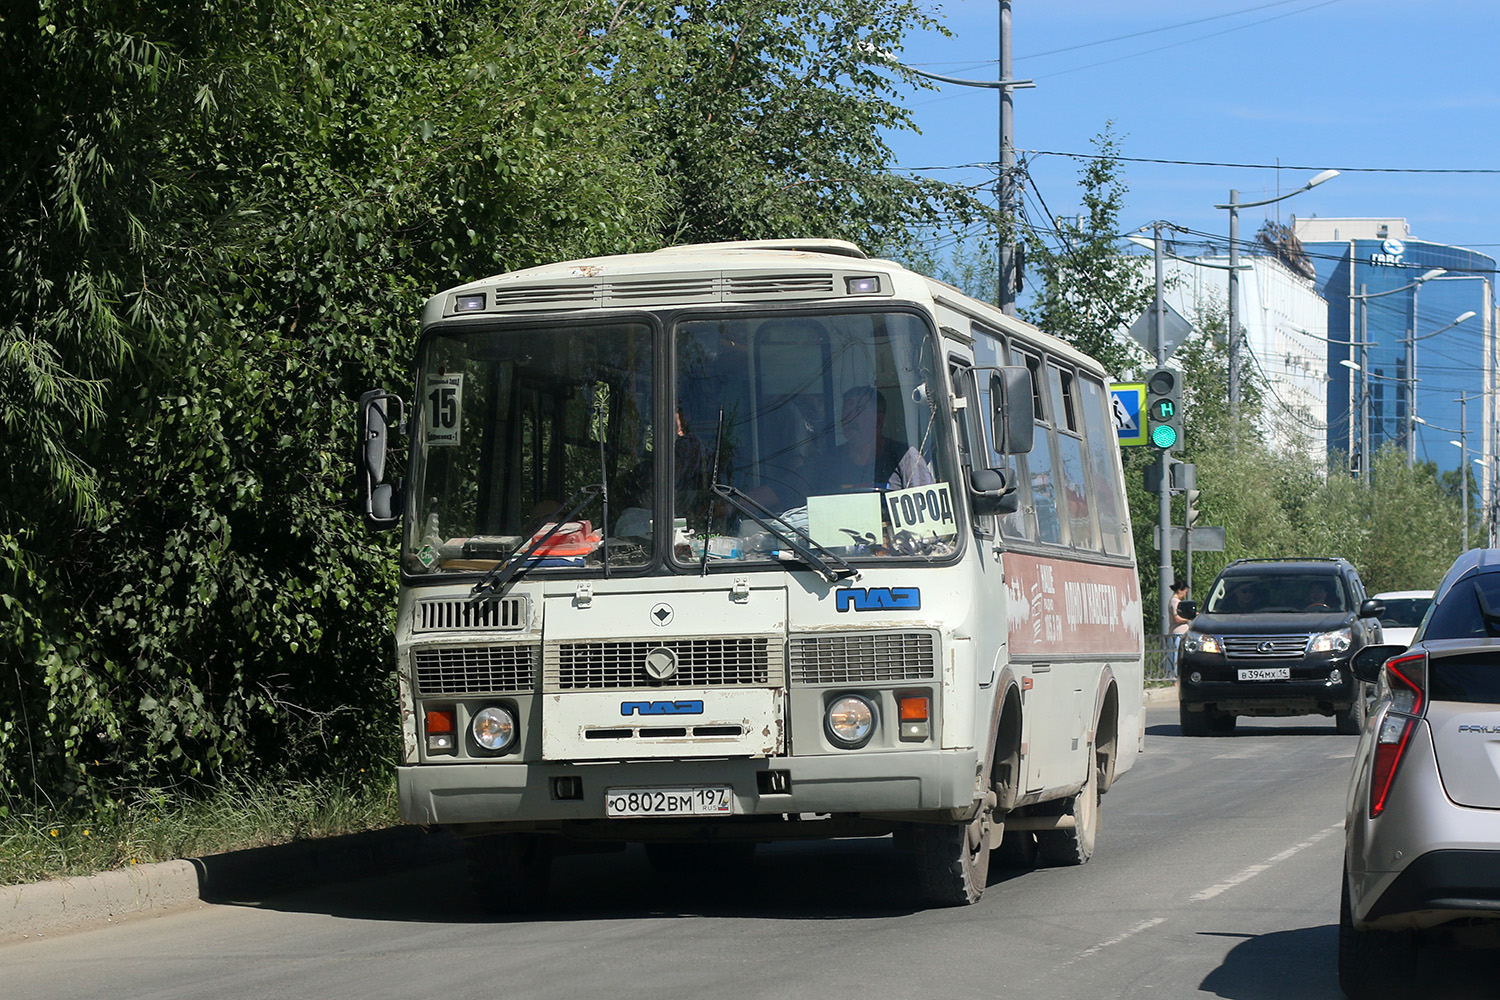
[[953, 860], [1017, 850], [509, 873], [1075, 845]]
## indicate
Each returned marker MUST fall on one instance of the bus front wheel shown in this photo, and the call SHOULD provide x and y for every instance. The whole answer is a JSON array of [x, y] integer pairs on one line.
[[953, 860]]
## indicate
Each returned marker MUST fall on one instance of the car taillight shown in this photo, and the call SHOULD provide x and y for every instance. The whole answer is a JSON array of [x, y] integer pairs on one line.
[[1406, 676]]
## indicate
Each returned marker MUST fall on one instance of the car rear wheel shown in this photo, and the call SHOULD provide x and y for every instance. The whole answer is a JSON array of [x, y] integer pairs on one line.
[[1373, 965]]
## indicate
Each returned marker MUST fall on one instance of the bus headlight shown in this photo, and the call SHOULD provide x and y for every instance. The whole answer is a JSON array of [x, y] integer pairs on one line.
[[494, 728], [850, 721]]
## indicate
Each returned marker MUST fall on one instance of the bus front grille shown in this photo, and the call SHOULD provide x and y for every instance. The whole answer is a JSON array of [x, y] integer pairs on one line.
[[443, 614], [475, 669], [863, 659], [688, 663]]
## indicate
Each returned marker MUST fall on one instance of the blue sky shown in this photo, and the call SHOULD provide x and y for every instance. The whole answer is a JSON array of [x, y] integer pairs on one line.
[[1372, 87]]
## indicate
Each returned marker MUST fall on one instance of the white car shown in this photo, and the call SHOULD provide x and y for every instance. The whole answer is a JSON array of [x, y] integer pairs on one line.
[[1404, 610]]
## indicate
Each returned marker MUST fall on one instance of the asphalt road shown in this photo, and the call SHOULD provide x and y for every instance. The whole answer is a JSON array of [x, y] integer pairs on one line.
[[1216, 874]]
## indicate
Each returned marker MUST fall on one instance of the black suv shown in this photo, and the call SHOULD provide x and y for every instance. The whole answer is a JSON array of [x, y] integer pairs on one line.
[[1275, 637]]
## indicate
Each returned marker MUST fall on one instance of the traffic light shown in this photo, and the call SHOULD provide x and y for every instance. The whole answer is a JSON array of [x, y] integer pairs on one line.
[[1164, 407], [1191, 512]]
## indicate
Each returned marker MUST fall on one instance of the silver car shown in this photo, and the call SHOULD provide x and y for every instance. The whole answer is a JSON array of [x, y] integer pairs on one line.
[[1422, 833]]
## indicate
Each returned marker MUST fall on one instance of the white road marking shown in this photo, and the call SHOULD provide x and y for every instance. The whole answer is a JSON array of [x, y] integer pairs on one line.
[[1144, 925], [1254, 870], [1238, 878]]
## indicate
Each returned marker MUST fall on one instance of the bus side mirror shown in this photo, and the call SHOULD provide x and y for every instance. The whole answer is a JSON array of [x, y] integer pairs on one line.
[[990, 493], [1012, 417], [380, 501]]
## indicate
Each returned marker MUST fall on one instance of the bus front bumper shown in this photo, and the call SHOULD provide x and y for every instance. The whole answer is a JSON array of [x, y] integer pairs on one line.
[[506, 793]]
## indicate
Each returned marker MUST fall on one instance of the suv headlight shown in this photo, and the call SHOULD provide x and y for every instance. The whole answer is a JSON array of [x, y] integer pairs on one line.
[[1198, 642], [1337, 641]]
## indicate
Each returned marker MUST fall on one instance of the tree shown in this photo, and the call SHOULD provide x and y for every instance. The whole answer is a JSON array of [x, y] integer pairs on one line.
[[1090, 292], [221, 220]]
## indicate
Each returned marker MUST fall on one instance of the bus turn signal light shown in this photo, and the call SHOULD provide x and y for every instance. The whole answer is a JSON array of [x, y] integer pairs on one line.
[[915, 713], [441, 725]]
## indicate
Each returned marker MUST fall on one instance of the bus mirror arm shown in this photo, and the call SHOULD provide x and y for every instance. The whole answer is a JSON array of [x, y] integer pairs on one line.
[[380, 502]]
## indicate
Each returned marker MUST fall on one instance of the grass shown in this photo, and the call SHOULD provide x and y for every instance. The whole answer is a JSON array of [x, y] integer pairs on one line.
[[36, 847]]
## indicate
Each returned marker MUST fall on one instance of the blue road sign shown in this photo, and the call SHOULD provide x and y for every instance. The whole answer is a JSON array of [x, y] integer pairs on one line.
[[1127, 404]]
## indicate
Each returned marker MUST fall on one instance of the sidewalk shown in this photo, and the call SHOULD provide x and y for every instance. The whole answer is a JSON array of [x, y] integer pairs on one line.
[[62, 906]]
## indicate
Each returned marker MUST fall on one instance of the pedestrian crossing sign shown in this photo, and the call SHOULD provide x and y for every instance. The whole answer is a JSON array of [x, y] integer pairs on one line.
[[1127, 407]]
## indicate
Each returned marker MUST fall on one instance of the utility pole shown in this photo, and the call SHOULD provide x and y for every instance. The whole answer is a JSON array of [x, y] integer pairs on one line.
[[1234, 304], [1164, 490], [1006, 182]]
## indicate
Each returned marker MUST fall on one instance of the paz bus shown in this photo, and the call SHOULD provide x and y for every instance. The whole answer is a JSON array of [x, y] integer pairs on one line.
[[726, 544]]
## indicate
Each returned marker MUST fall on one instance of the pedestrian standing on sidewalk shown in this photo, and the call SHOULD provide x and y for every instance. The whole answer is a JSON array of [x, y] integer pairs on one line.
[[1179, 624]]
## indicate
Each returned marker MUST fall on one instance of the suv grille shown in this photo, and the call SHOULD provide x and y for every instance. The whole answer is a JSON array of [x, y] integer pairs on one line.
[[727, 662], [1263, 647]]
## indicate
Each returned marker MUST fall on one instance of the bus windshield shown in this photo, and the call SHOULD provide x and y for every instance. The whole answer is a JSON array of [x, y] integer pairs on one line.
[[821, 426]]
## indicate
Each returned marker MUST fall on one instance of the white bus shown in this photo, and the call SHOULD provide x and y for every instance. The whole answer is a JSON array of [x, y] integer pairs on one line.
[[732, 543]]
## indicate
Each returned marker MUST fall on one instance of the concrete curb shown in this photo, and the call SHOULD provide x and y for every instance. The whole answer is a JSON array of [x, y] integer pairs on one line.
[[1161, 695], [62, 906]]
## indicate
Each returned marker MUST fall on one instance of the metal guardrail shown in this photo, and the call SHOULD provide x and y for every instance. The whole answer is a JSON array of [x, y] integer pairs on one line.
[[1158, 658]]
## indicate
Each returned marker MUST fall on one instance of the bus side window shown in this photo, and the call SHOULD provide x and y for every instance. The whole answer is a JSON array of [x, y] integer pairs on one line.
[[989, 349], [1040, 470], [1104, 449], [1075, 487]]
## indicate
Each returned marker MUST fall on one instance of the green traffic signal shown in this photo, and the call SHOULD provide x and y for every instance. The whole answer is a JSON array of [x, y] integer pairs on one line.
[[1164, 407]]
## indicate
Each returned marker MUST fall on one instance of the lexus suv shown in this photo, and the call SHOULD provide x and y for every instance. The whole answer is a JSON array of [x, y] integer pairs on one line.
[[1275, 637], [1422, 827]]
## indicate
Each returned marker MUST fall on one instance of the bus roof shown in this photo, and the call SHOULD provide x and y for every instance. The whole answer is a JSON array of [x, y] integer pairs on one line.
[[741, 272]]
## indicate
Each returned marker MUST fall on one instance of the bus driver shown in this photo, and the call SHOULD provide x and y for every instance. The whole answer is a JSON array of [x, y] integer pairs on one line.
[[867, 459]]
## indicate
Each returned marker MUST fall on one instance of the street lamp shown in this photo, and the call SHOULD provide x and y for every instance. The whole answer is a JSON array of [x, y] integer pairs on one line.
[[1411, 371], [1234, 207], [1363, 298]]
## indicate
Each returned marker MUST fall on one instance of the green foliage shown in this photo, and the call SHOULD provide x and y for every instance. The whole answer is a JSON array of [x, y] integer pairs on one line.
[[1401, 532], [1090, 293], [221, 220]]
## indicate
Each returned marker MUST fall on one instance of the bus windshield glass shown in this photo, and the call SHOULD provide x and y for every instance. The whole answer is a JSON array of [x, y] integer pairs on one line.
[[810, 428]]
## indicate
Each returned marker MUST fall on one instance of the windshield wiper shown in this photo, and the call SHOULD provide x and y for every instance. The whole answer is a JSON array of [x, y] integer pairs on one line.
[[493, 585], [830, 566]]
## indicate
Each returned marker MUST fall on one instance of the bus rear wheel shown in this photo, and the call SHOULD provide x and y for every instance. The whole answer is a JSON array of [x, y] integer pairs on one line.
[[953, 860], [1074, 845]]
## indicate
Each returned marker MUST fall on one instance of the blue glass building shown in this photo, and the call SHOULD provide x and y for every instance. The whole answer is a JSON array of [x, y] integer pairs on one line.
[[1426, 374]]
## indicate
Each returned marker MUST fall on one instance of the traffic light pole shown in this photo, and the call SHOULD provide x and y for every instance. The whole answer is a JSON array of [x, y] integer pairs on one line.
[[1164, 490]]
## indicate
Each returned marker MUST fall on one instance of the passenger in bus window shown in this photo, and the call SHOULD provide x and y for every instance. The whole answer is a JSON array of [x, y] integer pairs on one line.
[[867, 459]]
